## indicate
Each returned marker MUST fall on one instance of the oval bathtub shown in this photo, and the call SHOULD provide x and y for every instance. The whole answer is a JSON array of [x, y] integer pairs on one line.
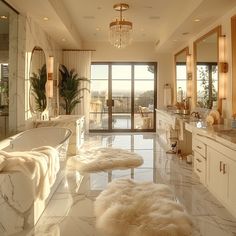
[[56, 137]]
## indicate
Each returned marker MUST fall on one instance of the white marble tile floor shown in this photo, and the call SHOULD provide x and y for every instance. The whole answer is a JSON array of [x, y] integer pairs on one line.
[[70, 211]]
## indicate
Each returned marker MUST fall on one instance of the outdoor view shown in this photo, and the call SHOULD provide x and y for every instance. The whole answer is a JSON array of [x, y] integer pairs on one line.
[[122, 85], [207, 84]]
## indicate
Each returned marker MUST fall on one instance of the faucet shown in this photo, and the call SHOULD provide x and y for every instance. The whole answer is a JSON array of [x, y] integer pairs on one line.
[[196, 114]]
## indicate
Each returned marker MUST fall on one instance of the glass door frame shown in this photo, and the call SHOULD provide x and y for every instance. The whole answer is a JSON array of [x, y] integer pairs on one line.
[[132, 64]]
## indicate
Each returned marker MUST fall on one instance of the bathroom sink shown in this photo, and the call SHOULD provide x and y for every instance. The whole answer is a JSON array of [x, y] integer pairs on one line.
[[227, 132]]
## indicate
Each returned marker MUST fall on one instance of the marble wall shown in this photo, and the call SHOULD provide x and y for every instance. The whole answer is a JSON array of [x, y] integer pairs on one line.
[[31, 35]]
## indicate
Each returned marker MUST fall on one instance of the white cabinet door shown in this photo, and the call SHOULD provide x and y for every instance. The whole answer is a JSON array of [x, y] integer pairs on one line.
[[232, 185], [217, 173]]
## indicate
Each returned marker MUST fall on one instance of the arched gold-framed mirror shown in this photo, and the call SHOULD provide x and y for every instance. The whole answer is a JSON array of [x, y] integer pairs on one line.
[[38, 80], [206, 73], [180, 82]]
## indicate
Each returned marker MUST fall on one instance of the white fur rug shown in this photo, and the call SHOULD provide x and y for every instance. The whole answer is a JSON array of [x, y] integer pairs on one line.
[[128, 208], [103, 159]]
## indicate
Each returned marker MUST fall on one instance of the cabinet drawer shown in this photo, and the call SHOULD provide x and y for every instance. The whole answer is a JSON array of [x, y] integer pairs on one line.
[[200, 167], [199, 147]]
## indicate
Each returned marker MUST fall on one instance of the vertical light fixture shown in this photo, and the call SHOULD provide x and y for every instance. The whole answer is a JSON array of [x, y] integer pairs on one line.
[[189, 75], [120, 29], [50, 77], [223, 67]]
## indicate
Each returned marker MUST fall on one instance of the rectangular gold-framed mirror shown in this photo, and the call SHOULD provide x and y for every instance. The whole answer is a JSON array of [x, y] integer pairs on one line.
[[206, 73], [180, 79]]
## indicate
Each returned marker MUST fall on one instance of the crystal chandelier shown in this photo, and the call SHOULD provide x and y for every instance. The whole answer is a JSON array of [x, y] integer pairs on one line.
[[120, 29]]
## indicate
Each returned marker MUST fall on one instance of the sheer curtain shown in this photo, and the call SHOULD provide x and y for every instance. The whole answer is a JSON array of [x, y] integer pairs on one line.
[[81, 62]]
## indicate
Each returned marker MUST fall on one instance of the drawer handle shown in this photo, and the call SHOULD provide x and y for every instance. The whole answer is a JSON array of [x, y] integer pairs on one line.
[[199, 147], [199, 160], [224, 168], [199, 171], [221, 166]]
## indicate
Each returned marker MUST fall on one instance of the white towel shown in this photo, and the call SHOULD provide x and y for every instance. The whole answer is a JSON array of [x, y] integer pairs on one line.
[[41, 165]]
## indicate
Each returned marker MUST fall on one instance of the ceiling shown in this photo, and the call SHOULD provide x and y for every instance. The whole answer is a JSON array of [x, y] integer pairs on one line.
[[165, 24]]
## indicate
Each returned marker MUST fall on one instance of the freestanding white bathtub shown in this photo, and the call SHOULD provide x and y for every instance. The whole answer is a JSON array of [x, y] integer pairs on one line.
[[19, 209], [56, 137]]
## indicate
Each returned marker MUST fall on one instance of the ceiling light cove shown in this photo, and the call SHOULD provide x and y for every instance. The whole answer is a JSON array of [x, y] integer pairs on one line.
[[45, 18]]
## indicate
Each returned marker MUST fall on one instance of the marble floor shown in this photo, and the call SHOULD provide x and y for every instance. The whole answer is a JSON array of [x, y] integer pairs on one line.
[[70, 211]]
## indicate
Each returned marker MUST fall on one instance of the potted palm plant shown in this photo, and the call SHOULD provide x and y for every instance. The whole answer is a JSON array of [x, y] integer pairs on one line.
[[69, 88], [38, 89]]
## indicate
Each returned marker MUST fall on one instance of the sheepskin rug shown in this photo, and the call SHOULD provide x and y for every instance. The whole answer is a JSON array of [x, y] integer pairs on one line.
[[128, 208], [103, 159]]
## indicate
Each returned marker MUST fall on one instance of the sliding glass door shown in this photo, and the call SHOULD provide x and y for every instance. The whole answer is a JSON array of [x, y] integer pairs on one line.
[[123, 96]]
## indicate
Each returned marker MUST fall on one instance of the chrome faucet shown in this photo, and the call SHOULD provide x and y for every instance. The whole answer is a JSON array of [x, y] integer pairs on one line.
[[196, 114]]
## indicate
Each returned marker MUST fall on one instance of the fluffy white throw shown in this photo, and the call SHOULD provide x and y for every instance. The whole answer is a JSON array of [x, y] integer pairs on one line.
[[128, 208], [102, 159], [41, 165]]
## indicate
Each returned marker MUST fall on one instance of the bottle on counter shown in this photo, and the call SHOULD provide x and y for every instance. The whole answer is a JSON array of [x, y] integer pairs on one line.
[[180, 95], [233, 122]]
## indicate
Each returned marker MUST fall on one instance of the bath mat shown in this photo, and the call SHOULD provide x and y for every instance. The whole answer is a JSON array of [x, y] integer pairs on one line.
[[131, 208], [103, 159]]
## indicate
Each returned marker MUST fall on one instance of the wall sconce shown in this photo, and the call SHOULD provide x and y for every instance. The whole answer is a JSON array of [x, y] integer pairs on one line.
[[189, 66], [223, 68], [50, 77], [223, 65]]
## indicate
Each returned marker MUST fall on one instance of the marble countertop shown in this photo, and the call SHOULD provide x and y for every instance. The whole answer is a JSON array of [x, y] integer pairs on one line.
[[221, 133]]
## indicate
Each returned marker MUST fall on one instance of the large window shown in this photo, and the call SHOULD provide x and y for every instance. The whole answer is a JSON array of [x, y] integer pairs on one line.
[[181, 77]]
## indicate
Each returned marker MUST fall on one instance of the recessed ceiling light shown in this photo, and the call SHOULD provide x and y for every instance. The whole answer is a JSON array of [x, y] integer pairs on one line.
[[89, 17], [196, 20], [63, 39], [3, 17], [45, 18], [148, 7], [154, 17], [98, 29]]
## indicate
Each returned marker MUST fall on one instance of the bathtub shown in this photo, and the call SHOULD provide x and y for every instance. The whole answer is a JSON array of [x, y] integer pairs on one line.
[[56, 137], [19, 208]]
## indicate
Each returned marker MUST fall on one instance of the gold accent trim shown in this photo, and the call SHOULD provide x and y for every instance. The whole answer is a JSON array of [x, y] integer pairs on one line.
[[121, 7], [121, 22]]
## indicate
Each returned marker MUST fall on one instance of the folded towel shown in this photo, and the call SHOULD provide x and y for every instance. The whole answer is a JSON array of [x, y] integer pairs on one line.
[[40, 165]]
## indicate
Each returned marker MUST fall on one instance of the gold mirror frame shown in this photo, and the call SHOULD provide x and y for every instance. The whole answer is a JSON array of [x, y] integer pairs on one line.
[[38, 80], [217, 31], [233, 40], [186, 51]]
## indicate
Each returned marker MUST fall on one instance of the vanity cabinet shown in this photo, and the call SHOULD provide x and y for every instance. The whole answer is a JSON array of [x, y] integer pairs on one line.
[[222, 177], [218, 173], [199, 151]]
